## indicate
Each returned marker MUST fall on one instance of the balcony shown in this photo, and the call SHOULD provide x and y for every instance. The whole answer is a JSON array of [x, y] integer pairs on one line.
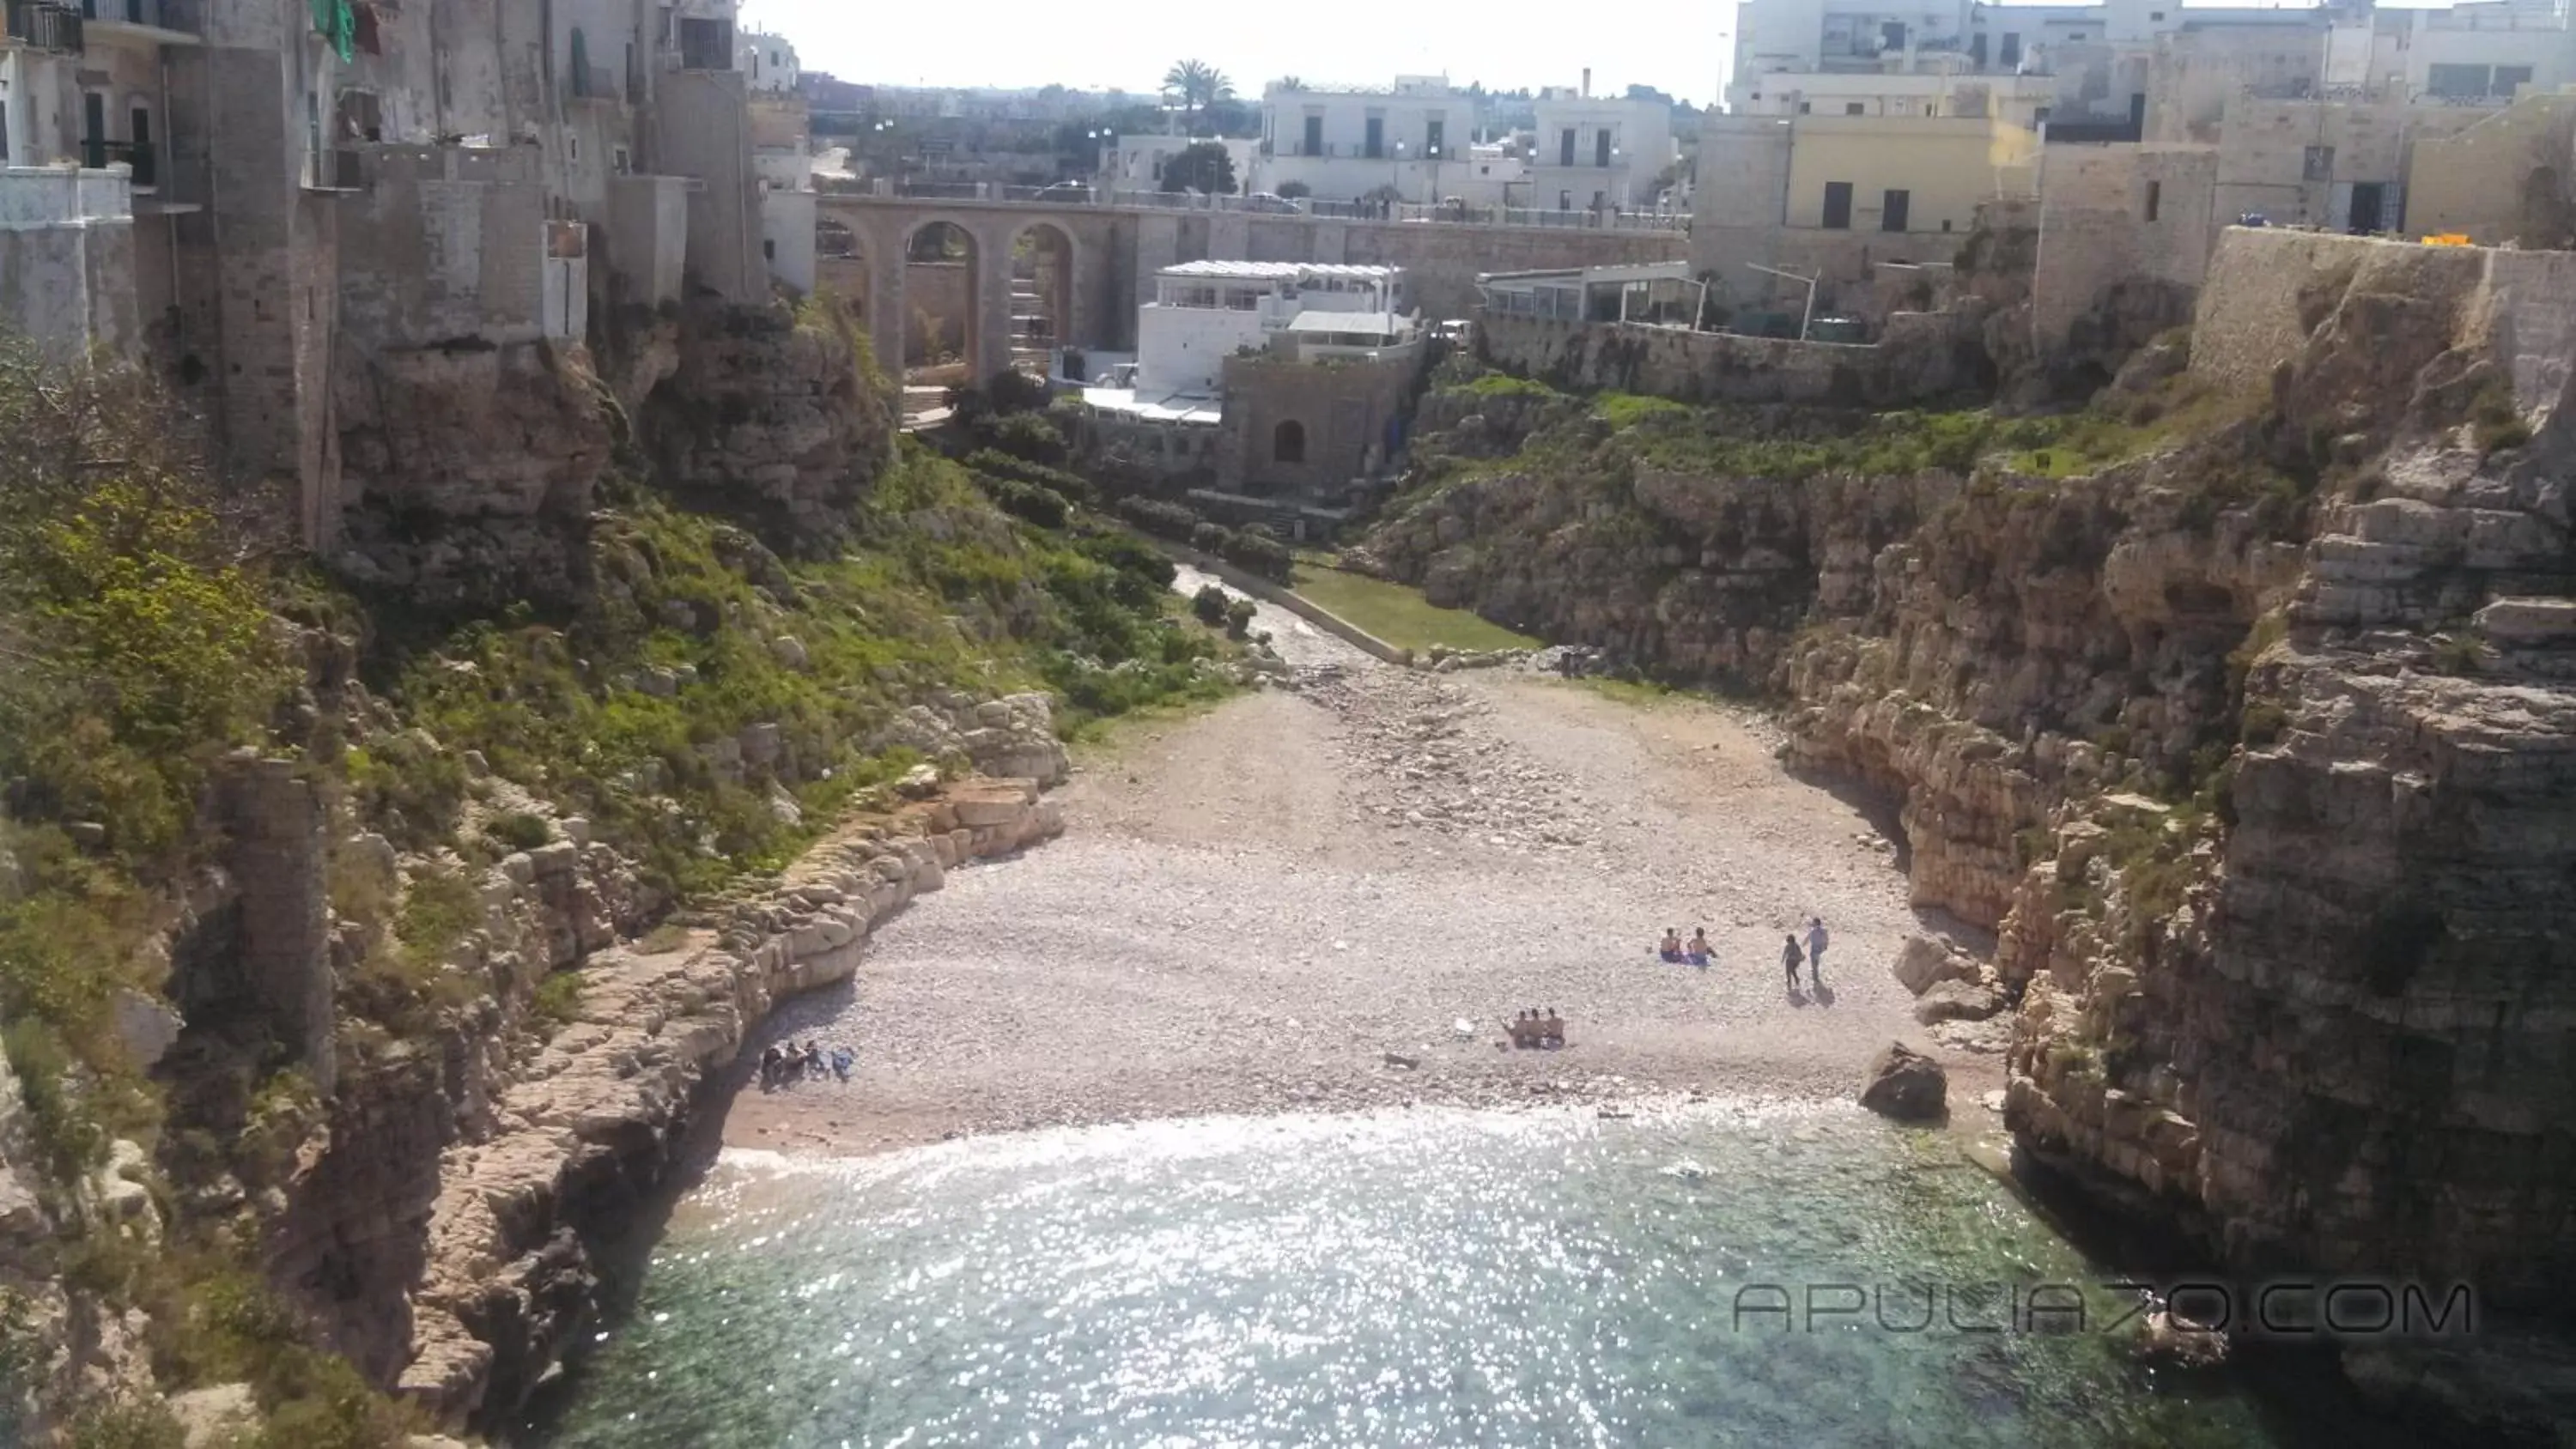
[[98, 155], [45, 25], [132, 22]]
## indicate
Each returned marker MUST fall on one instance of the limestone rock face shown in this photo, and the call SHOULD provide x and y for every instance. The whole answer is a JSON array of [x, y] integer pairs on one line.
[[2258, 755], [767, 420], [469, 473], [568, 1144], [1906, 1085], [1925, 962], [1012, 737]]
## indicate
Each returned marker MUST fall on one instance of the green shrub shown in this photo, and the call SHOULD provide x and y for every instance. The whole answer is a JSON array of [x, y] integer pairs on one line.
[[1029, 435], [558, 1001], [1210, 604], [125, 1423], [1258, 553], [1157, 516], [992, 463], [1238, 618], [520, 831]]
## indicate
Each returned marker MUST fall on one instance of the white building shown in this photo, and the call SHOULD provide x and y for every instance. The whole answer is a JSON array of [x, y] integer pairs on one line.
[[1595, 153], [2025, 64], [1135, 163], [2479, 53], [1343, 143], [768, 62], [1206, 312]]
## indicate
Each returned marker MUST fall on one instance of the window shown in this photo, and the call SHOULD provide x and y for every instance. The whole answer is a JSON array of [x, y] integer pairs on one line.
[[1434, 133], [1313, 144], [1894, 207], [2012, 47], [2155, 198], [2509, 78], [1804, 107], [1601, 147], [1855, 108], [768, 245], [1838, 197], [2155, 15], [1374, 145], [1891, 35], [2317, 164], [1288, 442], [1565, 147]]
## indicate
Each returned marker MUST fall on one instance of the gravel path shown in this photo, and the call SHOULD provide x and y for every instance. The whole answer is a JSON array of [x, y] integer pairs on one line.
[[1288, 902]]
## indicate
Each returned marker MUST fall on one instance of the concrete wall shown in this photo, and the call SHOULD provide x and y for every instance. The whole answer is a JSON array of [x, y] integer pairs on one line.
[[67, 252], [647, 241], [787, 237], [444, 245], [702, 131], [1922, 356], [2196, 75], [2506, 178], [1343, 412]]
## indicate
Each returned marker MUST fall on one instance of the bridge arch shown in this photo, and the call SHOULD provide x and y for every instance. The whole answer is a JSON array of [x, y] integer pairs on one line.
[[1045, 261], [944, 302]]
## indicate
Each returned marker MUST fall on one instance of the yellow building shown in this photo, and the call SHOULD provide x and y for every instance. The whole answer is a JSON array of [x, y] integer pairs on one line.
[[1902, 173]]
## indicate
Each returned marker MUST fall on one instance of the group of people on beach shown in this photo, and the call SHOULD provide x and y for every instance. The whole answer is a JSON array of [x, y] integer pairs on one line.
[[1698, 952], [784, 1064], [1533, 1029]]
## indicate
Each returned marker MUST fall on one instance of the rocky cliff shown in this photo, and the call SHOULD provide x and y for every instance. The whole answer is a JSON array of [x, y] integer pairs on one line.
[[2242, 711]]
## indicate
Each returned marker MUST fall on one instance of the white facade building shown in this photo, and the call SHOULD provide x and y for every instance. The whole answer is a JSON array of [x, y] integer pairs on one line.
[[768, 62], [1206, 312], [1595, 153], [1343, 143], [2025, 64], [1135, 163]]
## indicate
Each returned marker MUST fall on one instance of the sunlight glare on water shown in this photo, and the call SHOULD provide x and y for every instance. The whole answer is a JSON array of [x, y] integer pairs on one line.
[[1428, 1277]]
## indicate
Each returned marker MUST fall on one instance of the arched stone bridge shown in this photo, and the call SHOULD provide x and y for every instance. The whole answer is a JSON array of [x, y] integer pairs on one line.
[[1104, 258]]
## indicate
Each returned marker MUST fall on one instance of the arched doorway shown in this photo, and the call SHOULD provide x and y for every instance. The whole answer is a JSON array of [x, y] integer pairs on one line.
[[1288, 442], [1041, 296], [942, 308]]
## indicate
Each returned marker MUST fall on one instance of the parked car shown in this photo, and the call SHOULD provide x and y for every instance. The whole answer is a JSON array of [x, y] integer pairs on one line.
[[1270, 203], [1067, 193]]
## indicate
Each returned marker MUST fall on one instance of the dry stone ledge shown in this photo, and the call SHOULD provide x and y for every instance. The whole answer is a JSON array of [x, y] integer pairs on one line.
[[1926, 962], [593, 1122]]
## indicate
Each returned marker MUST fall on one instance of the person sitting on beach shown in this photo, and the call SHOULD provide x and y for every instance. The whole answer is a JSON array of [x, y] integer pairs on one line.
[[769, 1067], [842, 1057], [1671, 949], [1698, 951], [813, 1058], [1552, 1031]]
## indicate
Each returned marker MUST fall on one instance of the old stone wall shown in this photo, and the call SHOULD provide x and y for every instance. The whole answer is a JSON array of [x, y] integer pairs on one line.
[[1920, 356], [2507, 178], [1342, 414], [443, 247], [702, 130], [2125, 234], [67, 260]]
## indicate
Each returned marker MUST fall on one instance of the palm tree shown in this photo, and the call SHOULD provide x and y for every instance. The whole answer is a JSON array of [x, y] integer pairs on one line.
[[1199, 84], [1292, 83]]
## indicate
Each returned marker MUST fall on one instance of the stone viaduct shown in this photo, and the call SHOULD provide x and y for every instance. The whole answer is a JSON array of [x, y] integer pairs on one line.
[[1107, 257]]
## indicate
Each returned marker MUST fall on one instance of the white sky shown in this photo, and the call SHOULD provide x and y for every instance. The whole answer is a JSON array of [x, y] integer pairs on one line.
[[1680, 46]]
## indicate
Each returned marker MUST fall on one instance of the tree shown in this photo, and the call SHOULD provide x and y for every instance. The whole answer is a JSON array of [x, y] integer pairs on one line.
[[1292, 83], [1291, 190], [1198, 83], [1205, 167]]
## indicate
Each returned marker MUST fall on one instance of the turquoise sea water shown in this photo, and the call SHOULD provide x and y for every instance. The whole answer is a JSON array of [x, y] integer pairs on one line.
[[1430, 1277]]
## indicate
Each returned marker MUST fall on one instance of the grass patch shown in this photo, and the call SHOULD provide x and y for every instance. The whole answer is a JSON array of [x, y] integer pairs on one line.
[[558, 1001], [1401, 616]]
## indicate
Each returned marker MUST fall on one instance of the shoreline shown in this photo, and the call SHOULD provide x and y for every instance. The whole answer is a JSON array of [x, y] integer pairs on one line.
[[1285, 904]]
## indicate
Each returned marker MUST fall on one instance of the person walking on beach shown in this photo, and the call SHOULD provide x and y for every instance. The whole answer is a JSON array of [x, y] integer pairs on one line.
[[1789, 960], [1816, 941]]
